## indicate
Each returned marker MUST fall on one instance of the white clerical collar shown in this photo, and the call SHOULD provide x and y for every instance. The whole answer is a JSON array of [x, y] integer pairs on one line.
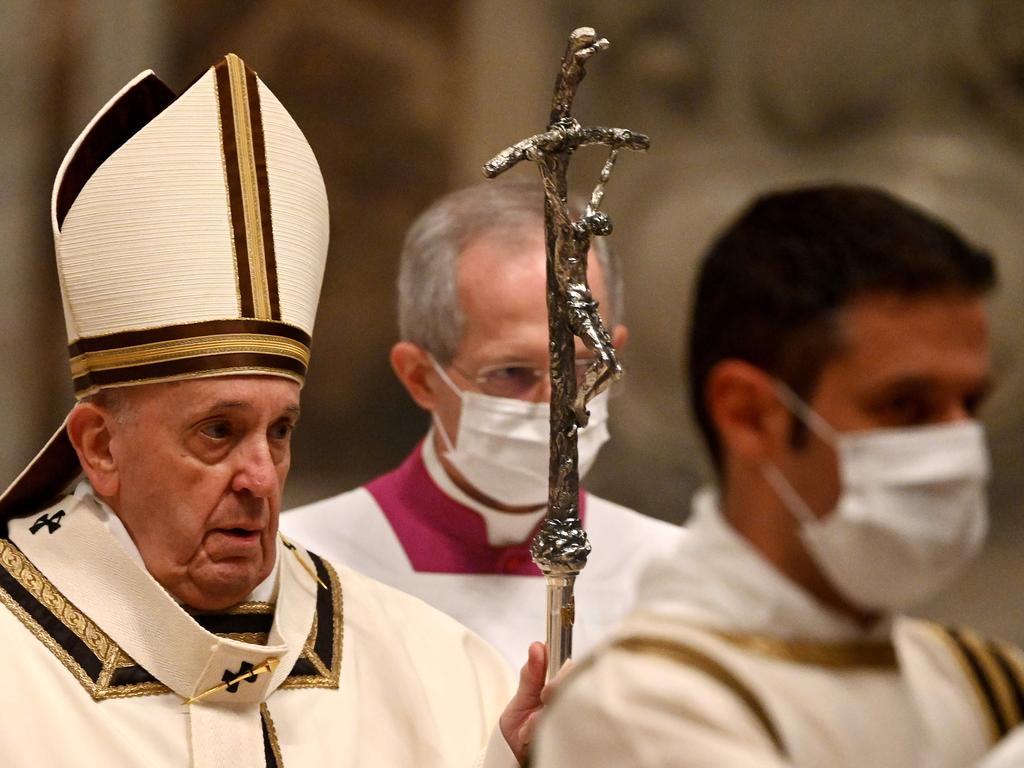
[[503, 528], [265, 591], [716, 579]]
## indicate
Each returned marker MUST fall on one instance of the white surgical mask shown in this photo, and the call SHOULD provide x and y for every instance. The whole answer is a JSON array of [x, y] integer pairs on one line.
[[502, 444], [911, 514]]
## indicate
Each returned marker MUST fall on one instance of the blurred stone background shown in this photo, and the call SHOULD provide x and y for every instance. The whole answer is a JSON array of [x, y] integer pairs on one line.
[[402, 101]]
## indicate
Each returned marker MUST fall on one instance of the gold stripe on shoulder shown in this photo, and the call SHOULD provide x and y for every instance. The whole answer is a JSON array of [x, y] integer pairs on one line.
[[852, 655], [240, 98], [968, 667], [998, 678], [691, 656], [860, 654], [1013, 659]]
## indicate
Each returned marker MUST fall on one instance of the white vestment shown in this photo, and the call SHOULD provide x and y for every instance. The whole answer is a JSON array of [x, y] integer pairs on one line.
[[99, 661], [417, 531], [727, 663]]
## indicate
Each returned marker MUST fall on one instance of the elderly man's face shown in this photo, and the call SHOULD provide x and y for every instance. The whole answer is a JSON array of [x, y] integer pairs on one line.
[[502, 292], [200, 470], [501, 286]]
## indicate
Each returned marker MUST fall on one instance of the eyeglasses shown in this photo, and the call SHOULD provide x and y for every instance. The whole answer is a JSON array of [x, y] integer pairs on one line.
[[515, 380]]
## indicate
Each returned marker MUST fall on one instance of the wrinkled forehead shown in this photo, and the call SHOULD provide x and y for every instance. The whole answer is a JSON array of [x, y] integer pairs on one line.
[[178, 398], [515, 228], [513, 252]]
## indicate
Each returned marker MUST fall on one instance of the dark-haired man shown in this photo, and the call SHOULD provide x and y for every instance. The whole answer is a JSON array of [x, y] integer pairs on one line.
[[838, 353]]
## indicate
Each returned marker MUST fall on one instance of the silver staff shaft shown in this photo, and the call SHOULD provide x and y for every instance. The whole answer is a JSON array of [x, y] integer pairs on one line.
[[561, 614]]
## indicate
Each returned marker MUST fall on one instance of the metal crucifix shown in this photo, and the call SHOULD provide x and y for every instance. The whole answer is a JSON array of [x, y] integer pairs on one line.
[[560, 548]]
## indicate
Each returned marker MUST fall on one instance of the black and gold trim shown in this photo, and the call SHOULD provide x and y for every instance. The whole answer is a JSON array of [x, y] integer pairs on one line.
[[89, 654], [107, 672], [271, 745], [178, 351], [319, 666], [995, 671], [246, 623], [245, 170]]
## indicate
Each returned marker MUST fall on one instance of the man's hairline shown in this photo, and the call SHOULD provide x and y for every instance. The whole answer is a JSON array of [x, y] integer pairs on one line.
[[840, 318], [494, 234], [837, 319], [835, 323]]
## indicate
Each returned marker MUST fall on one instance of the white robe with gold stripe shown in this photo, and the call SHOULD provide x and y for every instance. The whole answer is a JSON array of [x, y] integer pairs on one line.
[[98, 661], [726, 663]]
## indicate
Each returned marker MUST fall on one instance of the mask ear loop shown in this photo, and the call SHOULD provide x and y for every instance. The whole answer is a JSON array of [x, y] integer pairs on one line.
[[787, 494], [445, 438], [810, 417], [444, 376]]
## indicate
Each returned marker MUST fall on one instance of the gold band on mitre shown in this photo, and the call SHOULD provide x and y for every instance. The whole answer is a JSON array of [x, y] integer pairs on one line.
[[191, 350]]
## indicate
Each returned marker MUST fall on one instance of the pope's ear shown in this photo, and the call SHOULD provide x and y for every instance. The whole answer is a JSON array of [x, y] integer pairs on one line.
[[89, 429], [413, 368], [746, 413]]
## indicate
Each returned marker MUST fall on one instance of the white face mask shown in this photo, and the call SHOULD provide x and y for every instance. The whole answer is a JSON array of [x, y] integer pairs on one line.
[[502, 444], [911, 514]]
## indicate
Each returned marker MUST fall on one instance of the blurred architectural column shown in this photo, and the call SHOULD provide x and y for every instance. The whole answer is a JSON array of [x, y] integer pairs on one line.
[[23, 95], [509, 55], [114, 41], [61, 62]]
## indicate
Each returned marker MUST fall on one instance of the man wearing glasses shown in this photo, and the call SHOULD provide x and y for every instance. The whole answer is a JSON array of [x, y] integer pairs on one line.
[[453, 523]]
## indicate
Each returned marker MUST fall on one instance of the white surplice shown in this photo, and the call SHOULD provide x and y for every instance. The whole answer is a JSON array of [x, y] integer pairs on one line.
[[472, 561], [727, 663], [99, 661]]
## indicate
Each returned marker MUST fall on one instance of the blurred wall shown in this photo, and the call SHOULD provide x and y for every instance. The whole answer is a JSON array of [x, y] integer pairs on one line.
[[402, 101]]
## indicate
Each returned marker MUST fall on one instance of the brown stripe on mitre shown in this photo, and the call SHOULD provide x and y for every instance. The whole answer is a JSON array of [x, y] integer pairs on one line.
[[185, 331], [263, 190], [233, 183], [245, 168], [211, 348]]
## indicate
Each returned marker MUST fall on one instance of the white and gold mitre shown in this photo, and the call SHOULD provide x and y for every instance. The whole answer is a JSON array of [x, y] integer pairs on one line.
[[191, 236]]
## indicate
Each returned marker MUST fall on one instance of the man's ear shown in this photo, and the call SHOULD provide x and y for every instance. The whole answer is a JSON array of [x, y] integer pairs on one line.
[[412, 366], [752, 424], [89, 429]]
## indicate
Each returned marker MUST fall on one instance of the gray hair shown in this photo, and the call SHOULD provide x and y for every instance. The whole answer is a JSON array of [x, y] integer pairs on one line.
[[116, 401], [429, 314]]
